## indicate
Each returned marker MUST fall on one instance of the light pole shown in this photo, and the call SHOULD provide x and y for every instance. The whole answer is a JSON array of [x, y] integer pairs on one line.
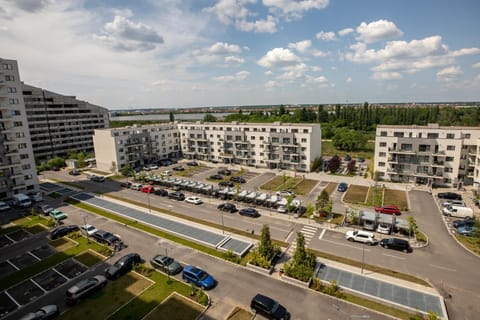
[[85, 224]]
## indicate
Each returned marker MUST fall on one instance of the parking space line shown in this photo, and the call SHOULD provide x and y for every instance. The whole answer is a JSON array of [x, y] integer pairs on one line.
[[11, 263], [393, 256], [35, 283], [13, 299], [6, 236], [443, 268], [61, 274], [322, 234], [30, 253], [345, 245]]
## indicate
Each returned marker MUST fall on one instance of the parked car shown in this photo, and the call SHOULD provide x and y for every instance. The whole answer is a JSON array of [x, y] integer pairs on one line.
[[37, 197], [146, 168], [88, 229], [44, 209], [449, 196], [384, 228], [57, 214], [342, 187], [153, 167], [347, 158], [458, 203], [136, 186], [4, 206], [463, 223], [44, 313], [268, 308], [84, 288], [161, 192], [229, 207], [74, 172], [192, 163], [122, 266], [226, 184], [224, 172], [249, 212], [148, 189], [166, 173], [198, 277], [285, 193], [282, 209], [237, 179], [299, 211], [467, 231], [106, 237], [388, 210], [62, 231], [127, 184], [216, 177], [193, 200], [166, 264], [361, 236], [396, 244], [361, 159], [97, 178], [176, 195], [178, 168]]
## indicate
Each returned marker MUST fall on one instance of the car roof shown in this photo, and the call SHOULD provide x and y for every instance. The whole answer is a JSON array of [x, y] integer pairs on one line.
[[264, 300]]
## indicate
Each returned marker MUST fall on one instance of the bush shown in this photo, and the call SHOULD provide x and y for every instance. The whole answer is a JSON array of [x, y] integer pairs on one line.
[[259, 260], [230, 256]]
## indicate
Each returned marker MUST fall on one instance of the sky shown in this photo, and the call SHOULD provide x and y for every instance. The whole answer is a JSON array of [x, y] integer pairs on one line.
[[123, 54]]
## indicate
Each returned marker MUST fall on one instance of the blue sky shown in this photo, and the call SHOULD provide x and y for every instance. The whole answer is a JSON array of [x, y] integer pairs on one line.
[[180, 53]]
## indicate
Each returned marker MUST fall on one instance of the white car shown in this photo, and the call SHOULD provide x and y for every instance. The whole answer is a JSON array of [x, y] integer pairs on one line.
[[4, 206], [153, 167], [282, 209], [285, 193], [361, 236], [166, 173], [458, 203], [37, 197], [384, 228], [88, 229], [194, 200]]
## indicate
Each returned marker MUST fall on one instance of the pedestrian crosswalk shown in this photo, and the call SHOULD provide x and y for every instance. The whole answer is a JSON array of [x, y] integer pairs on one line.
[[308, 233]]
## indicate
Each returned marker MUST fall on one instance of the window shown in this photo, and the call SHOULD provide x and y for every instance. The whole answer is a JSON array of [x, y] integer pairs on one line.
[[450, 135], [398, 134], [7, 66], [383, 144], [17, 124], [449, 159], [447, 169], [383, 133], [432, 135], [273, 130], [294, 130], [382, 154], [381, 164], [305, 130], [451, 148], [13, 101], [467, 135], [303, 140], [275, 140], [12, 90], [9, 78]]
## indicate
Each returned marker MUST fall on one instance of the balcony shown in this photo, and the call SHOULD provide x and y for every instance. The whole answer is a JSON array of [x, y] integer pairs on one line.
[[439, 153], [438, 164]]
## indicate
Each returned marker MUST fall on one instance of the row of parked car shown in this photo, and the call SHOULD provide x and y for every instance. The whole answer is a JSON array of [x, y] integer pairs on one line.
[[454, 206], [387, 243]]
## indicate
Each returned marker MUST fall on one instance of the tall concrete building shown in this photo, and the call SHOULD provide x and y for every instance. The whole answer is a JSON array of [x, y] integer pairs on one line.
[[432, 155], [270, 145], [136, 146], [17, 164], [59, 123]]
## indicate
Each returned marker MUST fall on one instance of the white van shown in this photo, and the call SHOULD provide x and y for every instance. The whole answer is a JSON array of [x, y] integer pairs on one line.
[[460, 212], [21, 200]]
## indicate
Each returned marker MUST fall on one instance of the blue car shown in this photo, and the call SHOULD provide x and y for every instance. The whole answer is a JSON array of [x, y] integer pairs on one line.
[[198, 277], [466, 231], [342, 187]]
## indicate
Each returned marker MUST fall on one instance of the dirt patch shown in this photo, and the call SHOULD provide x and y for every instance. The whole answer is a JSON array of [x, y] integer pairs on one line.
[[331, 186], [19, 235], [24, 260], [49, 279], [176, 307], [70, 268], [305, 186], [25, 292], [43, 252], [36, 228], [356, 194], [88, 258], [397, 198], [240, 314], [62, 244]]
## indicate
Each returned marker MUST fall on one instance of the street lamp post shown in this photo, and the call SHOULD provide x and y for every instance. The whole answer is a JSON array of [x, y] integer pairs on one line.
[[85, 223]]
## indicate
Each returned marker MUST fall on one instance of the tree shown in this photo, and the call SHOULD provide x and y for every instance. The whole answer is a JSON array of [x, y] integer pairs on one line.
[[322, 114], [412, 226], [113, 167], [125, 171], [266, 247], [172, 116], [317, 164], [349, 140], [281, 110], [209, 118], [351, 166], [303, 262], [334, 163]]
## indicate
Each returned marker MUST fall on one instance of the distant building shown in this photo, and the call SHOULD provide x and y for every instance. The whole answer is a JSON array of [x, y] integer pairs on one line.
[[432, 155], [17, 164], [269, 145], [136, 146], [59, 123]]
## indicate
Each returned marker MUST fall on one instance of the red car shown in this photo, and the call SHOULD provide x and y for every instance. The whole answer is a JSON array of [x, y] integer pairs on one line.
[[148, 189], [388, 210]]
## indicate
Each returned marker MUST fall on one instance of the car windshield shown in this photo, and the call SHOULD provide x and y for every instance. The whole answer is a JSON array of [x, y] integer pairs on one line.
[[275, 307], [167, 261], [202, 275]]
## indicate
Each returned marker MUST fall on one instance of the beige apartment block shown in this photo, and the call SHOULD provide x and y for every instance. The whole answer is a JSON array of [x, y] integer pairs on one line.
[[268, 145], [431, 155], [17, 164], [136, 146], [59, 123]]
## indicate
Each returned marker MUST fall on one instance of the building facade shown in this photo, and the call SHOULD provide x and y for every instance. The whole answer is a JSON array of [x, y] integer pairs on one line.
[[136, 146], [17, 164], [431, 155], [269, 145], [59, 124]]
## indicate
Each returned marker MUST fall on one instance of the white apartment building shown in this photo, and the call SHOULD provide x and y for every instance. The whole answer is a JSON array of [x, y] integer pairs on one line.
[[270, 145], [59, 124], [17, 164], [443, 156], [135, 146]]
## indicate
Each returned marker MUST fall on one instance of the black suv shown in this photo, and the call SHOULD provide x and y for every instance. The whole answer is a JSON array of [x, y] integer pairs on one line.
[[449, 196], [63, 231], [226, 184], [269, 308], [230, 207], [122, 266], [106, 237], [224, 172], [396, 244], [177, 196], [238, 179], [161, 192]]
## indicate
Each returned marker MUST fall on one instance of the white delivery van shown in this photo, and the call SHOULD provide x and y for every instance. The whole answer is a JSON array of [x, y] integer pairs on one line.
[[460, 212], [21, 200]]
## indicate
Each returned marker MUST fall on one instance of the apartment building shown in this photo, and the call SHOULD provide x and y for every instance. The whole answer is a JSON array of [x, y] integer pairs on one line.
[[59, 123], [432, 155], [136, 146], [270, 145], [17, 164]]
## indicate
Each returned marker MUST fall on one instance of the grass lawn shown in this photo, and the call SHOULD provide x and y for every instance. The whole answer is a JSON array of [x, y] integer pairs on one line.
[[305, 186], [472, 243], [176, 307], [103, 303], [32, 223], [239, 314], [62, 244], [89, 258], [397, 198], [375, 196], [331, 186], [356, 194], [329, 150]]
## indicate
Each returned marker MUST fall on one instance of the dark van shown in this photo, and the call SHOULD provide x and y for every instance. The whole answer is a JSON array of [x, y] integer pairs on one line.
[[268, 308], [396, 244]]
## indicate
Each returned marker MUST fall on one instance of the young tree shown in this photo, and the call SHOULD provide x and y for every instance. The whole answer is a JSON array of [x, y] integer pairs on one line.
[[334, 163], [266, 247], [113, 167], [209, 118], [412, 227], [172, 116], [126, 170]]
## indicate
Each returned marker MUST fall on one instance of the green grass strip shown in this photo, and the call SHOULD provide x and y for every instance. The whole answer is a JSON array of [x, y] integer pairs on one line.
[[378, 306]]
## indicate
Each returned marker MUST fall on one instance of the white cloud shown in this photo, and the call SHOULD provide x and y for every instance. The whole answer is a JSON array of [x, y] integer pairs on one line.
[[268, 72], [31, 5], [268, 25], [319, 53], [345, 31], [228, 11], [272, 84], [239, 76], [349, 80], [218, 52], [278, 57], [316, 68], [294, 72], [301, 46], [221, 48], [234, 59], [296, 7], [476, 65], [377, 31], [326, 36], [386, 76], [465, 52], [449, 74]]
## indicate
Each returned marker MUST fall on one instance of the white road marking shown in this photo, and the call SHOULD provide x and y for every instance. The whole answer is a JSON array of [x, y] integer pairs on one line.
[[322, 234], [443, 268], [391, 255], [346, 245]]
